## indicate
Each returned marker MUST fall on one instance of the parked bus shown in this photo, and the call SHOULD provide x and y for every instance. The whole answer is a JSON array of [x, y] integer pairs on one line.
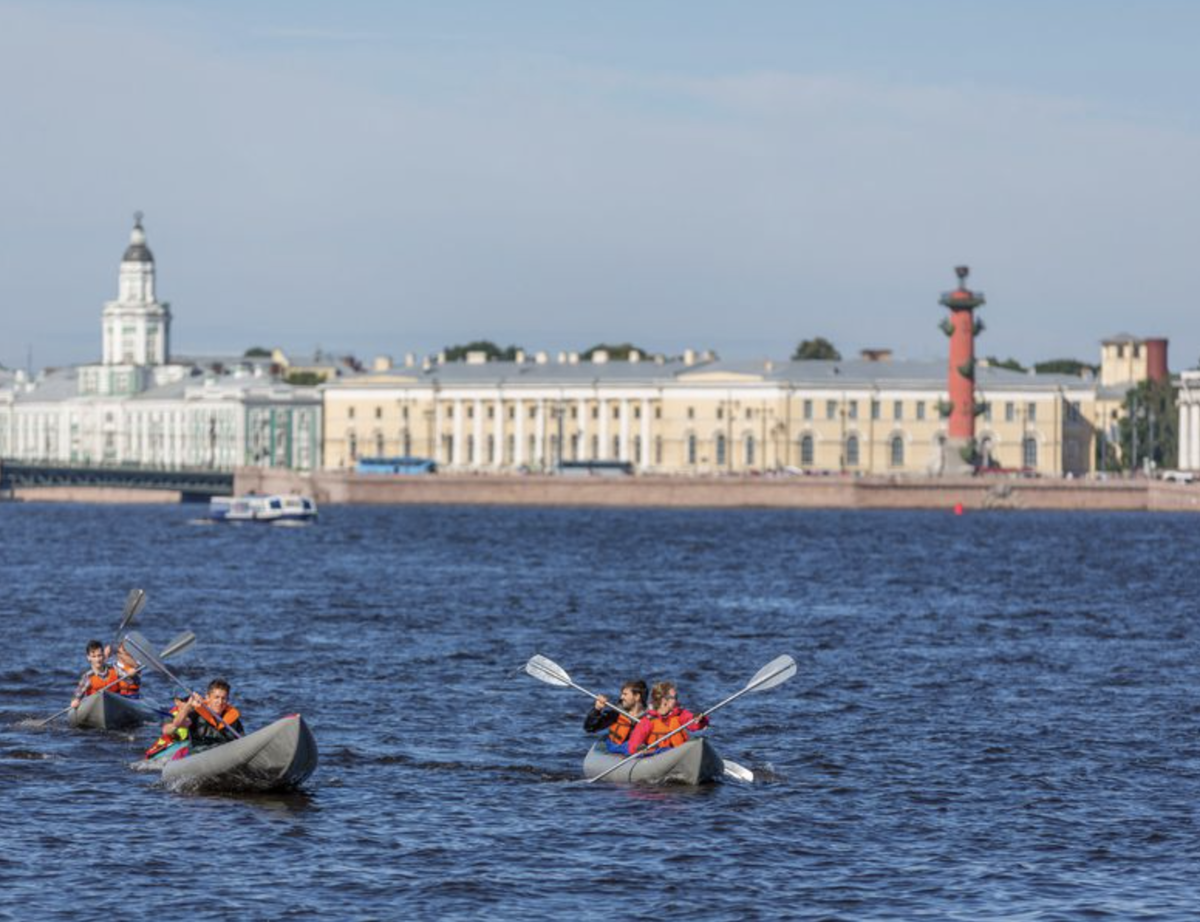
[[404, 465], [595, 468]]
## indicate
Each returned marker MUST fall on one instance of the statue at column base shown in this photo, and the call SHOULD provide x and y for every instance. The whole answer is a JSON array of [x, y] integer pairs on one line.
[[956, 453]]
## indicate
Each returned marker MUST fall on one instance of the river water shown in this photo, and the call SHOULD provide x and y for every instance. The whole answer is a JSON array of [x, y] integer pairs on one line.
[[995, 715]]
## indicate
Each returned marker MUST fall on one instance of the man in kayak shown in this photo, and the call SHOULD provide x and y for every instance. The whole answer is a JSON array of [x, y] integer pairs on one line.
[[603, 717], [210, 721], [99, 676], [664, 717]]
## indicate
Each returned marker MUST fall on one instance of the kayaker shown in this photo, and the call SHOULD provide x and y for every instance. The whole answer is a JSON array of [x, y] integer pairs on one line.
[[208, 720], [98, 676], [665, 715], [603, 717], [128, 669]]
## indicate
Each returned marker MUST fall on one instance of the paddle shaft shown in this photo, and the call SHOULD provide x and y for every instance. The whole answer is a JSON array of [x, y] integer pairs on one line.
[[716, 707], [170, 675]]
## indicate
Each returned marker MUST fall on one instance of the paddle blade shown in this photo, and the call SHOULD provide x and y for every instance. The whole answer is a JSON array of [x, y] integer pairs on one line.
[[776, 672], [134, 604], [547, 671], [178, 645], [144, 652], [739, 772]]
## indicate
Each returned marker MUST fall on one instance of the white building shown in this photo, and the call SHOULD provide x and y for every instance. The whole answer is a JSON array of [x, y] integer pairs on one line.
[[1189, 421], [140, 406]]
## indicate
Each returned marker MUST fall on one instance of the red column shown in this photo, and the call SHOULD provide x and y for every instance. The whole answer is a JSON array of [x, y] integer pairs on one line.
[[961, 373]]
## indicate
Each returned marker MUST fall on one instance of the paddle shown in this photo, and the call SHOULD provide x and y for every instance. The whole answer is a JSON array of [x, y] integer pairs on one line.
[[140, 644], [178, 645], [134, 604], [548, 671], [776, 672]]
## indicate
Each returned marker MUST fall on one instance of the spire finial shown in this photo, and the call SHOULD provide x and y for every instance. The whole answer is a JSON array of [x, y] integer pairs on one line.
[[137, 220]]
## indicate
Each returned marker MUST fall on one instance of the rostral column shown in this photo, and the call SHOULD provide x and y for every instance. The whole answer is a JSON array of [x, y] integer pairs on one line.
[[962, 327]]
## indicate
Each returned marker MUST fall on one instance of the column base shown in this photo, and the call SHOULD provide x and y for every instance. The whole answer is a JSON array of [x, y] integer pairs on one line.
[[953, 463]]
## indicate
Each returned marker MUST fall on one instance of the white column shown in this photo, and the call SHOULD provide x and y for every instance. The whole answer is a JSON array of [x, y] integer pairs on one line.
[[498, 432], [603, 453], [437, 432], [477, 455], [519, 432], [624, 432], [644, 460], [583, 431], [539, 431], [459, 409], [1193, 437]]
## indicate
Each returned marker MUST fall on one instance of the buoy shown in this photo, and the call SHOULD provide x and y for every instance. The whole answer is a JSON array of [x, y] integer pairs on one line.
[[958, 508]]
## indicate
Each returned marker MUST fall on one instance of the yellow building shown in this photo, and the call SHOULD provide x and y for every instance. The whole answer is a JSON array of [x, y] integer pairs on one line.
[[702, 417]]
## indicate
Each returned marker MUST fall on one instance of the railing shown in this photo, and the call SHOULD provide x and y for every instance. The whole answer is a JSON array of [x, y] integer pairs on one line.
[[197, 483]]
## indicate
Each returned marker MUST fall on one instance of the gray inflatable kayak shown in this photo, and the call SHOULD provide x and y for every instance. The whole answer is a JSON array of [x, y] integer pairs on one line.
[[695, 762], [277, 757], [106, 711]]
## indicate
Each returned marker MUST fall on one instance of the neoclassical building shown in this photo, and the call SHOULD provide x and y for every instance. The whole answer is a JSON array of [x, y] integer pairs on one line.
[[703, 416], [141, 406]]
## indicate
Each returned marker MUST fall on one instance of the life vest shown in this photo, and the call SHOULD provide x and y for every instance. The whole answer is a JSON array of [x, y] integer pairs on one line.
[[130, 684], [663, 725], [619, 730], [168, 739], [97, 683], [230, 716]]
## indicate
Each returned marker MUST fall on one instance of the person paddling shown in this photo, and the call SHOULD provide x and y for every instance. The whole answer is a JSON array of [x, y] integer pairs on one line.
[[99, 676], [210, 721], [604, 717], [664, 717]]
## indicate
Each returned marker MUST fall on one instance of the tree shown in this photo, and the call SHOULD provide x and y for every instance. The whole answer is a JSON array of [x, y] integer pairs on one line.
[[494, 353], [1149, 428], [305, 378], [1010, 363], [257, 352], [1065, 367], [819, 348], [618, 352]]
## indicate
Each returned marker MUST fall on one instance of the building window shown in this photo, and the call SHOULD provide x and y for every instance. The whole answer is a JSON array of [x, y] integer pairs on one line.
[[350, 413], [720, 412], [404, 412], [1031, 412], [378, 444], [852, 451], [471, 459], [406, 442], [691, 448], [920, 409], [491, 449], [352, 446], [1010, 411], [985, 453], [658, 449], [512, 449], [875, 409], [831, 409], [806, 451], [491, 412], [637, 412], [471, 411], [637, 450], [512, 412], [1137, 350], [595, 448], [897, 451], [749, 413], [379, 412], [808, 409], [1120, 352], [720, 449], [595, 412], [658, 412], [616, 446], [898, 409], [987, 411], [574, 412], [749, 451], [616, 411], [533, 412], [1029, 452], [691, 413]]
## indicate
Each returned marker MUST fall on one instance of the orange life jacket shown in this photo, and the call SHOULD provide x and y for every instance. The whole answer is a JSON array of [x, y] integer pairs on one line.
[[230, 716], [130, 684], [97, 682], [619, 730], [662, 725]]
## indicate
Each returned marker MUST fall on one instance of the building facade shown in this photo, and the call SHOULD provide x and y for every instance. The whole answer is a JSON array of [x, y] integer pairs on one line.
[[140, 406]]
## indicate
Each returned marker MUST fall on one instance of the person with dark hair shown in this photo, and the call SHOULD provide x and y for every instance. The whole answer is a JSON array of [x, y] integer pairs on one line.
[[664, 718], [99, 676], [603, 717], [210, 721]]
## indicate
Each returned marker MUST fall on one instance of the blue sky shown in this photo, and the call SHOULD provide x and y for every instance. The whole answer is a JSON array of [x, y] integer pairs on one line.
[[395, 177]]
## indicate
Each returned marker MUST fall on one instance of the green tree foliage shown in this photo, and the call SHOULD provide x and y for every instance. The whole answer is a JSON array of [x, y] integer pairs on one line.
[[304, 378], [819, 348], [1065, 367], [257, 352], [1149, 427], [494, 352], [618, 352], [1010, 363]]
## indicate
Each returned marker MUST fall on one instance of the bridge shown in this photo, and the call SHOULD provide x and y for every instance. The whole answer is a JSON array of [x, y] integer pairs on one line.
[[193, 485]]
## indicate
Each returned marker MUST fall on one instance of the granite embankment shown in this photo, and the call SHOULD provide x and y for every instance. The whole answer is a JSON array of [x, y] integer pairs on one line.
[[830, 492]]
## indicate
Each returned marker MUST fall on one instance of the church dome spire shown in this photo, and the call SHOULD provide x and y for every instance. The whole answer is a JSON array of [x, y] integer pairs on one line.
[[137, 251]]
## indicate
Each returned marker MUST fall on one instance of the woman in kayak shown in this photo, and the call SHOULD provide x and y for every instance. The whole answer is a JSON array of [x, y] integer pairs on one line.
[[664, 717], [210, 720], [603, 717]]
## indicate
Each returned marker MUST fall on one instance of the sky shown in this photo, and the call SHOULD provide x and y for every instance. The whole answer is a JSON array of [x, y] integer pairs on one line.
[[393, 177]]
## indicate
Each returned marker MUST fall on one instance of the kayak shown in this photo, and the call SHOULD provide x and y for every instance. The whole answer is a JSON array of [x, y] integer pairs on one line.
[[695, 762], [106, 711], [277, 757]]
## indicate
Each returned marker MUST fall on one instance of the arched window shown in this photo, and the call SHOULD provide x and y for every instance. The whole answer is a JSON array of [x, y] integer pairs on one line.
[[406, 441], [471, 459], [378, 444], [1029, 452], [637, 450], [574, 446], [807, 452], [352, 446], [720, 452], [491, 449], [658, 450], [616, 446], [595, 448], [985, 452], [897, 451], [852, 451], [749, 451], [691, 448], [511, 452]]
